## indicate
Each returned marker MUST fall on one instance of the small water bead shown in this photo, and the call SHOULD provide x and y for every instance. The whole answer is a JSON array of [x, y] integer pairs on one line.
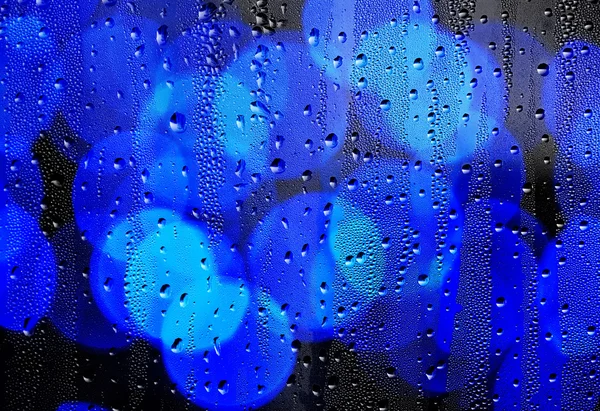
[[60, 84], [259, 108], [207, 11], [44, 32], [183, 300], [108, 283], [313, 37], [119, 164], [165, 291], [161, 35], [540, 114], [543, 69], [277, 166], [568, 53], [177, 346], [177, 122], [361, 60], [136, 33], [331, 140]]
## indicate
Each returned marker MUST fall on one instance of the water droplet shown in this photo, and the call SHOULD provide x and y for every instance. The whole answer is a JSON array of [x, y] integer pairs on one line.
[[177, 122], [313, 37], [277, 166], [361, 60]]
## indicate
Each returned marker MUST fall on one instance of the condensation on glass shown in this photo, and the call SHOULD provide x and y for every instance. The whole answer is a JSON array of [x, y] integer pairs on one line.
[[299, 205]]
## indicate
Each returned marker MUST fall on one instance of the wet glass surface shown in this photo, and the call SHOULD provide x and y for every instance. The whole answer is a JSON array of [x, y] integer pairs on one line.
[[299, 205]]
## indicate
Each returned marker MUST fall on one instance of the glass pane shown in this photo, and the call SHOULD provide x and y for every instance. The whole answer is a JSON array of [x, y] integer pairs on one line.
[[299, 205]]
